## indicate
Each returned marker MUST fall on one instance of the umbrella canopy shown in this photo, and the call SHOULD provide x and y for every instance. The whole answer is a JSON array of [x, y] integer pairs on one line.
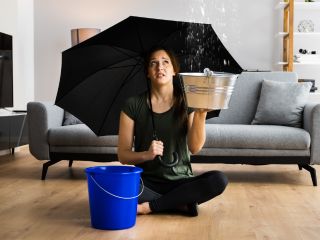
[[99, 74]]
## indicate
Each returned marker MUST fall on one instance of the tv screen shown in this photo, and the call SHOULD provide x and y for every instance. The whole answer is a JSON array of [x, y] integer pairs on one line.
[[6, 73]]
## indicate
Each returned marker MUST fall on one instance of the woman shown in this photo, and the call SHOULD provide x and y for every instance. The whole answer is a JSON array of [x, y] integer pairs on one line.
[[179, 129]]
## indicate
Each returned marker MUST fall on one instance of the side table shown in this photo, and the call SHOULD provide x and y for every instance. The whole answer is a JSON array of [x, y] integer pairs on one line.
[[13, 129]]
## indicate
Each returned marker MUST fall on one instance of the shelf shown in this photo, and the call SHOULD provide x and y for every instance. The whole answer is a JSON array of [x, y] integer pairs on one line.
[[282, 5], [288, 35], [307, 5], [314, 97], [300, 63], [309, 34], [301, 5], [282, 63], [306, 63]]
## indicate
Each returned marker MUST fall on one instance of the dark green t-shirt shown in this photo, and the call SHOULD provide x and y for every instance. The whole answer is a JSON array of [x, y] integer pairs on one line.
[[168, 132]]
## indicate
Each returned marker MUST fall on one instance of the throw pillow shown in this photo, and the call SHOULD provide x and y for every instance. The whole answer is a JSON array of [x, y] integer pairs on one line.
[[282, 103], [69, 119]]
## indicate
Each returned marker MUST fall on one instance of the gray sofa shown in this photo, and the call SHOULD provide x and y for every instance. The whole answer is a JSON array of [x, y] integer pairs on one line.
[[230, 137]]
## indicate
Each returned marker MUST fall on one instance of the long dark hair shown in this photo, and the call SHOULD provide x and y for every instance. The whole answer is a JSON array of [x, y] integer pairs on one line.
[[180, 107]]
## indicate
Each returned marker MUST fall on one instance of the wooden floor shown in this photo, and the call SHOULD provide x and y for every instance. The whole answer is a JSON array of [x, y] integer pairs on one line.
[[260, 202]]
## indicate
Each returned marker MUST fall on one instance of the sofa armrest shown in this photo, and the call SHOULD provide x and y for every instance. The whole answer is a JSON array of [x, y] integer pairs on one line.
[[311, 123], [41, 117]]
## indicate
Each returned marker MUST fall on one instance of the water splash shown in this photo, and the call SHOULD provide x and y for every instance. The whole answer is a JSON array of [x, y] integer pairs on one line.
[[223, 16], [208, 72]]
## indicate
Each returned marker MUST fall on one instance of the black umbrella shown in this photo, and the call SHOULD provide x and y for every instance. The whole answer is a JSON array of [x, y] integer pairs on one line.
[[99, 74]]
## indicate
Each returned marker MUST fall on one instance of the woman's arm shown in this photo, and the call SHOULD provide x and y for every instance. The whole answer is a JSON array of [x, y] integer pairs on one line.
[[196, 130], [125, 143]]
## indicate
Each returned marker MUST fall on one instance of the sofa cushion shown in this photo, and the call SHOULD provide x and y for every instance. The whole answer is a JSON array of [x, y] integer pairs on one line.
[[282, 103], [256, 137], [245, 98], [69, 119], [79, 135]]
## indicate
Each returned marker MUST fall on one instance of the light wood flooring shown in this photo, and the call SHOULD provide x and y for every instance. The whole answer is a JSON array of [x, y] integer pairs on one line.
[[260, 202]]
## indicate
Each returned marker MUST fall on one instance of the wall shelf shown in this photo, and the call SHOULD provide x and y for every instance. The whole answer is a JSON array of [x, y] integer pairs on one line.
[[314, 97], [304, 34], [300, 63], [288, 34], [307, 5], [301, 5]]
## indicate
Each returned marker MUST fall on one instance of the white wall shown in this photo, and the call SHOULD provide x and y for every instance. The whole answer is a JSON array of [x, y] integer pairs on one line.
[[16, 19], [24, 61], [8, 16], [246, 27]]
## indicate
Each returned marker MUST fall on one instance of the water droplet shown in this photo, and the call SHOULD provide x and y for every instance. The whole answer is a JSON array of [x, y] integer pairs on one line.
[[224, 37], [202, 11]]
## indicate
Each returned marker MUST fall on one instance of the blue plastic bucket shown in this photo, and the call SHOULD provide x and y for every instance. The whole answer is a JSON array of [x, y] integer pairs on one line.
[[113, 196]]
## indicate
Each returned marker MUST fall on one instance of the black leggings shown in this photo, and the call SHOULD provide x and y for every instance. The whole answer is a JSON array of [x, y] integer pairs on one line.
[[169, 195]]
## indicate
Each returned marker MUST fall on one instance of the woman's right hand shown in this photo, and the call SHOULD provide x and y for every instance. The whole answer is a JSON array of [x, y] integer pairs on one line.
[[155, 149]]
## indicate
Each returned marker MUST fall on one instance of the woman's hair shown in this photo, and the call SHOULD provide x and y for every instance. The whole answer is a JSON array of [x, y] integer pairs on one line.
[[180, 107]]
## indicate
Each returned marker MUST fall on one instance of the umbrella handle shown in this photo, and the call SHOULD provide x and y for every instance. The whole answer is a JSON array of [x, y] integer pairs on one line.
[[159, 158], [171, 164]]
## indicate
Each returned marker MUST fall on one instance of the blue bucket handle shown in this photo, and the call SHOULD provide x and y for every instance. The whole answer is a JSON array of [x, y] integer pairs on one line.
[[116, 196]]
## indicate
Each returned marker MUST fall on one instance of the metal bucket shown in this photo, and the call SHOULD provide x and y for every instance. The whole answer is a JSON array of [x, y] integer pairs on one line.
[[208, 91]]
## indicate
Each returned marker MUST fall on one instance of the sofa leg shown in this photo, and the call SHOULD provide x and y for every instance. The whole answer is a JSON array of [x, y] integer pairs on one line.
[[300, 168], [70, 163], [312, 171], [46, 166]]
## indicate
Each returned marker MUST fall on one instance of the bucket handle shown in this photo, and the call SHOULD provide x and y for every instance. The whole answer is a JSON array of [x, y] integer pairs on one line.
[[116, 196]]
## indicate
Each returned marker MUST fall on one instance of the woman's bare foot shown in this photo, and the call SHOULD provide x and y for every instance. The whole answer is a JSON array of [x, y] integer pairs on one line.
[[143, 208]]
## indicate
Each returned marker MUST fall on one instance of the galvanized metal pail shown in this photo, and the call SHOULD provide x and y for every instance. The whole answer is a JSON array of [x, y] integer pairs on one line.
[[208, 91]]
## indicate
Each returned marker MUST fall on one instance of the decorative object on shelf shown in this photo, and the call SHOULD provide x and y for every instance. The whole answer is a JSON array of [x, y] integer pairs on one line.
[[308, 0], [81, 34], [296, 58], [306, 26], [306, 58], [305, 51]]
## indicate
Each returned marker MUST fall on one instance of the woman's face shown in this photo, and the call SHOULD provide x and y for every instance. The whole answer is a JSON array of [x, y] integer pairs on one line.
[[160, 69]]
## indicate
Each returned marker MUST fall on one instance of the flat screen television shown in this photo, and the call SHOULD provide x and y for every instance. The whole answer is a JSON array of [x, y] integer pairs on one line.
[[6, 73]]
